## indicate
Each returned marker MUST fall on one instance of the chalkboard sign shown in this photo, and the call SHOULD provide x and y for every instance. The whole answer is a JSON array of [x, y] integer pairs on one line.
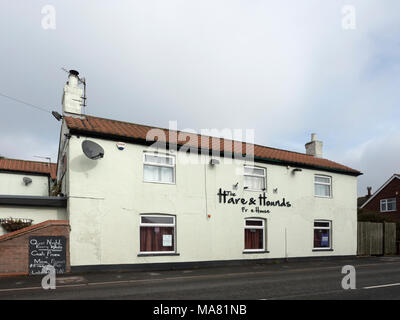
[[47, 250]]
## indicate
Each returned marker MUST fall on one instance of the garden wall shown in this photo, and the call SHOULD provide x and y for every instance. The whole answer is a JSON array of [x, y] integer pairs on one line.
[[14, 246]]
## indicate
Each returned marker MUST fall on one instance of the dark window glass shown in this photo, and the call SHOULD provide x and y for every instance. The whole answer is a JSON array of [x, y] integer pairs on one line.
[[253, 238], [253, 223], [156, 239], [321, 224], [169, 220], [321, 238]]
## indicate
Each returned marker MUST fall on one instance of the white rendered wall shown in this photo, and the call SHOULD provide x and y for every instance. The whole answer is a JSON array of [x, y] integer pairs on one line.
[[107, 196], [37, 214], [12, 184]]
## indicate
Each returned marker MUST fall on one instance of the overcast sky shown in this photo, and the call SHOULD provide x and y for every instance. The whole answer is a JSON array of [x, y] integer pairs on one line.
[[283, 68]]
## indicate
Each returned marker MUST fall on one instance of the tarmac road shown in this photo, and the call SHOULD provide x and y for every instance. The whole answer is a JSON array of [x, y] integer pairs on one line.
[[376, 278]]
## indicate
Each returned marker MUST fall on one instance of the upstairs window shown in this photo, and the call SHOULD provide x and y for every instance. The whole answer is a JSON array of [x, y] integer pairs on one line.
[[159, 168], [254, 178], [323, 186], [388, 205], [157, 234]]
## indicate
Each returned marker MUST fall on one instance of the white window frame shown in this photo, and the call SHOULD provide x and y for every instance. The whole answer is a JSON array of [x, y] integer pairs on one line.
[[385, 201], [325, 184], [149, 163], [325, 228], [141, 224], [254, 227], [264, 176]]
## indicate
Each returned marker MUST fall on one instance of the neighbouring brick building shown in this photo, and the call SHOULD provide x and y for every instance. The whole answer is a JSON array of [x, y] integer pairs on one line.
[[23, 177], [26, 202], [25, 192], [386, 200]]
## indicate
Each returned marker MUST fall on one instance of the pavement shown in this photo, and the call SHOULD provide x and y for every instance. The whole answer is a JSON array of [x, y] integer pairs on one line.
[[376, 278]]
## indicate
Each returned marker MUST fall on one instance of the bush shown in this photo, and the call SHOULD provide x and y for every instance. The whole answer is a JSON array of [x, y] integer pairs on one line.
[[14, 224]]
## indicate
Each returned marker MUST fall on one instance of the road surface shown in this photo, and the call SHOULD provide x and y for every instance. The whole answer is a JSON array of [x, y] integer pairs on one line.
[[376, 278]]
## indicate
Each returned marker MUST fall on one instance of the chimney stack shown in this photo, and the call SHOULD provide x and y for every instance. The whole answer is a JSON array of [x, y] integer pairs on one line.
[[72, 95], [369, 191], [314, 147]]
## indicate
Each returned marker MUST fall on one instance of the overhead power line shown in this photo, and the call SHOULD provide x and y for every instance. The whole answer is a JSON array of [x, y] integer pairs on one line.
[[26, 103]]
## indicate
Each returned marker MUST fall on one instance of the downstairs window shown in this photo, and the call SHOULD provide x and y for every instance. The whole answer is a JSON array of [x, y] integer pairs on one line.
[[157, 234]]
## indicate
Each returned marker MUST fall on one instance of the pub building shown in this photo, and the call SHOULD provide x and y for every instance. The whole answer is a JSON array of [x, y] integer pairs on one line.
[[140, 195], [141, 202]]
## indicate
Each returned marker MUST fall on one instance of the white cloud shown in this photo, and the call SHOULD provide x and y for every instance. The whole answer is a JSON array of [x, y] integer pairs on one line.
[[27, 147], [283, 68], [377, 158]]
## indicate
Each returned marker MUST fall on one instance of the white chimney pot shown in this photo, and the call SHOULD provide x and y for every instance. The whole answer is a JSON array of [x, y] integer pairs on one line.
[[72, 95], [313, 137]]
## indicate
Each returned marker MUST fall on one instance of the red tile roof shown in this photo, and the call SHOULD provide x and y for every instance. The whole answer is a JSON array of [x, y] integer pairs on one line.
[[29, 166], [118, 130]]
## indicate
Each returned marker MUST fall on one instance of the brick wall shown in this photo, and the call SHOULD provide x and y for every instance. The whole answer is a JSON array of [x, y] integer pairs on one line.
[[14, 246], [392, 190]]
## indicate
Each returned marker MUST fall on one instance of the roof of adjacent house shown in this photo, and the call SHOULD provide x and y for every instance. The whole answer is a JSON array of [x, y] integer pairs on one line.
[[395, 175], [362, 200], [26, 166], [137, 133]]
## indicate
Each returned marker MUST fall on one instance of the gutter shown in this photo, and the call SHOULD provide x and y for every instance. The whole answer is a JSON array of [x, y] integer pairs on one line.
[[33, 201]]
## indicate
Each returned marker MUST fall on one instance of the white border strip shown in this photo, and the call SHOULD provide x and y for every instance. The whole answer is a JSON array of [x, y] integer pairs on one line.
[[383, 286]]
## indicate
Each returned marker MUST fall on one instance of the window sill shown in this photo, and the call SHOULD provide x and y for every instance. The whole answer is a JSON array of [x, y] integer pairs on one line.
[[157, 254], [160, 182], [321, 249], [251, 252]]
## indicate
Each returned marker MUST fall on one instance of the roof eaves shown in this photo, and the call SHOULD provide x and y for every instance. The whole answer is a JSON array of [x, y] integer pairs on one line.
[[34, 201], [257, 159], [309, 166]]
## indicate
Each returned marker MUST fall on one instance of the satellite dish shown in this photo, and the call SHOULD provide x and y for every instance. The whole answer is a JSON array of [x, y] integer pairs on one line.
[[92, 150], [27, 180]]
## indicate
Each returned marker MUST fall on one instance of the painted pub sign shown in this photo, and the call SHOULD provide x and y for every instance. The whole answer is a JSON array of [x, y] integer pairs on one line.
[[258, 204]]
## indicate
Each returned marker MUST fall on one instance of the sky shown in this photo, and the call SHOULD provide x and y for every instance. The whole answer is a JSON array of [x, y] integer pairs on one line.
[[284, 69]]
